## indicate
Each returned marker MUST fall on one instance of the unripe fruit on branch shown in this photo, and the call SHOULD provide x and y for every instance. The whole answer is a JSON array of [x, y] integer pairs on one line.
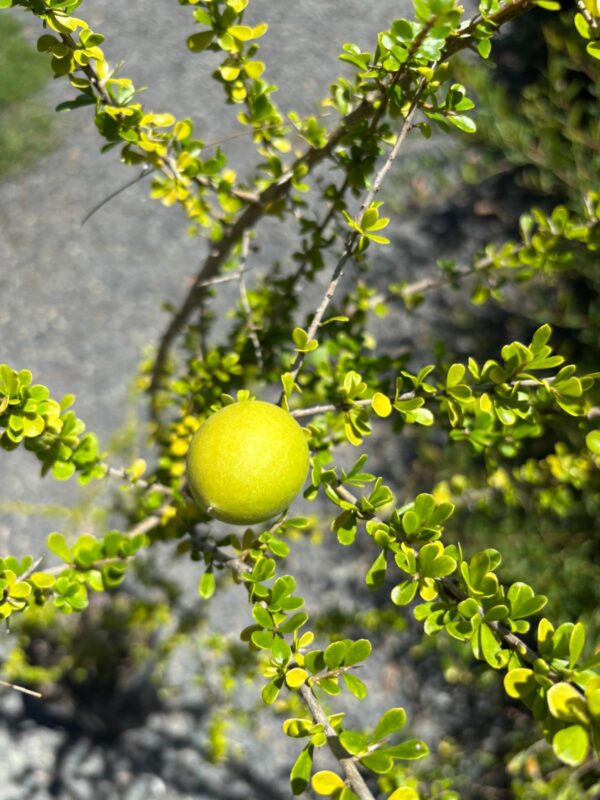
[[247, 462]]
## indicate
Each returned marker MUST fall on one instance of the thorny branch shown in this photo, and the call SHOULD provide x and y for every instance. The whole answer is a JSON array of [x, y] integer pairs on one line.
[[248, 218], [583, 10], [484, 387], [462, 39], [347, 764], [451, 588], [351, 772], [246, 302], [352, 236]]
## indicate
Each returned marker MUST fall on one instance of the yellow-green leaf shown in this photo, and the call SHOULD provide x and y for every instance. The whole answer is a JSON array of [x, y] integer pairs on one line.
[[137, 469], [229, 72], [254, 69], [404, 793], [296, 677], [381, 405], [326, 782], [520, 682], [242, 33], [20, 590], [571, 745], [42, 580], [565, 702]]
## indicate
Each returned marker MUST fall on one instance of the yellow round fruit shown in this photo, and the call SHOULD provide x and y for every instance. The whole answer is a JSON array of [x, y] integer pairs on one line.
[[247, 462]]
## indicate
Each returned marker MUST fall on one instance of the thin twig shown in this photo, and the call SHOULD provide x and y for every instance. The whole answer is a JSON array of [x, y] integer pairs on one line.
[[30, 570], [235, 276], [451, 588], [353, 235], [465, 37], [484, 387], [144, 526], [143, 174], [21, 689], [234, 233], [236, 563], [584, 11], [427, 284], [351, 773], [103, 562], [321, 228], [121, 474], [311, 158], [353, 777], [246, 302]]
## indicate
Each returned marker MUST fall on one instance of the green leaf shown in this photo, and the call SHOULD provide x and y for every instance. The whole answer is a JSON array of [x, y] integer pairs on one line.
[[523, 600], [489, 646], [484, 47], [377, 762], [354, 742], [410, 750], [254, 69], [42, 580], [424, 506], [271, 691], [390, 722], [576, 644], [244, 33], [80, 102], [58, 544], [334, 654], [294, 622], [63, 470], [571, 745], [565, 703], [302, 342], [206, 588], [297, 727], [404, 593], [410, 522], [330, 685], [592, 441], [281, 650], [462, 122], [262, 639], [376, 574], [520, 683], [593, 49], [455, 374], [433, 563], [199, 41], [355, 685], [301, 771], [283, 586], [262, 616], [358, 651], [20, 590], [345, 527]]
